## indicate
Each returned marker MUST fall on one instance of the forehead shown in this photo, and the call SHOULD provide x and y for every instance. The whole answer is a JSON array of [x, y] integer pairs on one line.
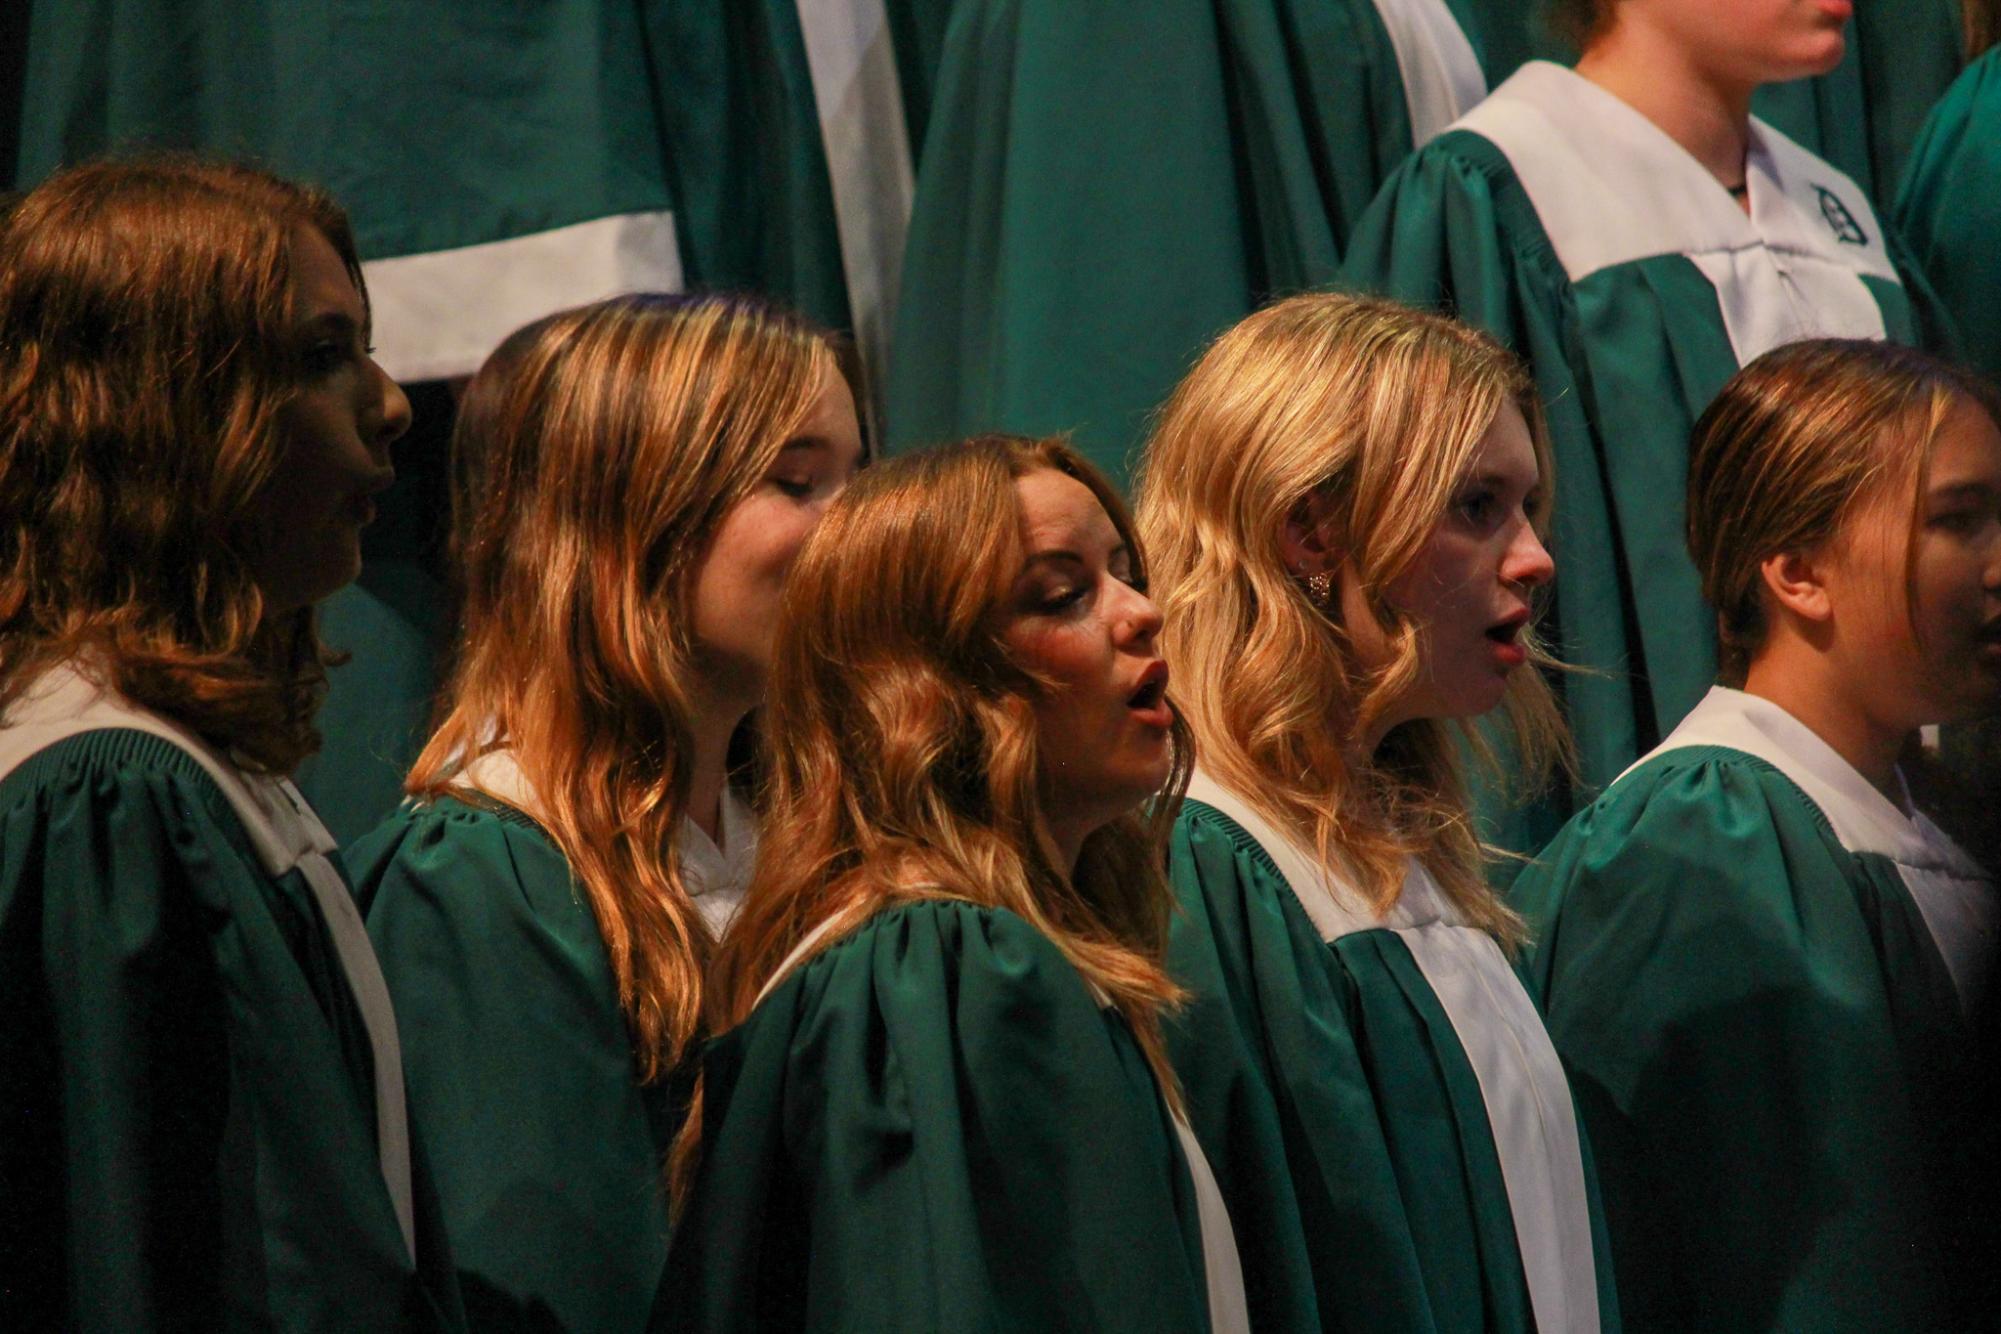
[[1060, 512], [320, 281], [1506, 449], [1967, 449], [832, 421]]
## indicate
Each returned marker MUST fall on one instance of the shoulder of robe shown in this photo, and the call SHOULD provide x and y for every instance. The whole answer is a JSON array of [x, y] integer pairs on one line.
[[126, 770]]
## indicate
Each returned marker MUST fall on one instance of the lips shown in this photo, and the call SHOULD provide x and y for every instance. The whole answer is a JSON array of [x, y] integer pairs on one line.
[[1149, 702], [1505, 636]]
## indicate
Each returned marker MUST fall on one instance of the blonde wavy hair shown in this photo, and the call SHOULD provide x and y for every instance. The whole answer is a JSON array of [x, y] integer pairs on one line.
[[612, 443], [902, 750], [1796, 443], [1379, 409]]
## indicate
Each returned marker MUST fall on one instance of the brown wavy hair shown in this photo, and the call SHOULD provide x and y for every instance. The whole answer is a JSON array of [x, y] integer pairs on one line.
[[1380, 408], [622, 435], [1794, 444], [903, 763], [145, 361]]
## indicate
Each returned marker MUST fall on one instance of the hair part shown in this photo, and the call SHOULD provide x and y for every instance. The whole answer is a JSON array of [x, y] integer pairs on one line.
[[146, 361], [904, 763], [607, 446], [1794, 445], [1380, 409]]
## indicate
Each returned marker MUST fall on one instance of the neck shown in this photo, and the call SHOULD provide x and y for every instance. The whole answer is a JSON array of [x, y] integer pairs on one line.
[[1063, 843], [1707, 114], [709, 774], [1807, 685]]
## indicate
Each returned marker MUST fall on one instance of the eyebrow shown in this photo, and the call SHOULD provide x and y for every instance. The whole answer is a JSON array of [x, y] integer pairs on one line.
[[339, 321], [1061, 554], [1962, 491]]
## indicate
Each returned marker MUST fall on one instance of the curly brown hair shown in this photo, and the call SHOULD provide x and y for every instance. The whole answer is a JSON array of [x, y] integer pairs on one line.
[[145, 365]]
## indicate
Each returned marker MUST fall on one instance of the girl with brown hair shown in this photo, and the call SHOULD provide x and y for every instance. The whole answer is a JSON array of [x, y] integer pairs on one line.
[[646, 469], [1344, 503], [1756, 957], [942, 1100], [202, 1117]]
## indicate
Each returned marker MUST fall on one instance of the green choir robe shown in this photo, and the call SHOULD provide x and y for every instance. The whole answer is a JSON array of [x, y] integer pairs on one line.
[[933, 1124], [1949, 207], [1103, 191], [1755, 968], [549, 1154], [202, 1122], [1571, 227], [1864, 114], [1387, 1120]]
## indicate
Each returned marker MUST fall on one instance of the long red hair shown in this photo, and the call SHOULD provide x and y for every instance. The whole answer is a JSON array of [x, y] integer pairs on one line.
[[146, 359], [613, 442]]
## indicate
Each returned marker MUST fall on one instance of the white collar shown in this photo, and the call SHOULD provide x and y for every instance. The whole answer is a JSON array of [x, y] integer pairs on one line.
[[705, 867], [1331, 899], [1610, 186], [1863, 819]]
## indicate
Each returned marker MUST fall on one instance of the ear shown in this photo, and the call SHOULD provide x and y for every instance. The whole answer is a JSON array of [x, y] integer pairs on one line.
[[1308, 537], [1797, 582]]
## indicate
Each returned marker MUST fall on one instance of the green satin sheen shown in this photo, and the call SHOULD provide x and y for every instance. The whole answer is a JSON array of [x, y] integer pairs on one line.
[[187, 1114], [1338, 1110], [933, 1126], [1768, 1054], [548, 1153]]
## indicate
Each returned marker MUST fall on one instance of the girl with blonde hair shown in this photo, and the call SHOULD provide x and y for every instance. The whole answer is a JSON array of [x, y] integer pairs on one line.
[[202, 1115], [1757, 958], [631, 497], [942, 1101], [1343, 502]]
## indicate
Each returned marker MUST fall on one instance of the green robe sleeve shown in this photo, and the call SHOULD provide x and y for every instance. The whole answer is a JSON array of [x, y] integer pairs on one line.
[[1949, 207], [933, 1126], [1758, 1029], [186, 1086], [1337, 1109], [548, 1154]]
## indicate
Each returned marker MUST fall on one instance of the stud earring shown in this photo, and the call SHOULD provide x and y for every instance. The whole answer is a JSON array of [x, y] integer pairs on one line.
[[1320, 592]]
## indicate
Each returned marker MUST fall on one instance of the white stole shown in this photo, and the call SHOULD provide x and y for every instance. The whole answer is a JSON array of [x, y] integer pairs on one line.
[[1521, 1080], [1954, 896], [1442, 78], [286, 836]]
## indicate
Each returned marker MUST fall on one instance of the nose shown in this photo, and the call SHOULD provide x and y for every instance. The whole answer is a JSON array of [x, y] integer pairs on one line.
[[1138, 618], [1527, 562], [392, 411]]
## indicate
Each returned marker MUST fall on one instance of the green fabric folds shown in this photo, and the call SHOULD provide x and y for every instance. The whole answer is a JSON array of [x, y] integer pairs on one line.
[[933, 1126], [1767, 1051], [1949, 208], [187, 1116], [549, 1155], [1102, 194], [1338, 1110], [1624, 360]]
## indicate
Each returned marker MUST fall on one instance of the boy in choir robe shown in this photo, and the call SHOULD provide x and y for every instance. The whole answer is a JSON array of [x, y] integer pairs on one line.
[[1758, 961]]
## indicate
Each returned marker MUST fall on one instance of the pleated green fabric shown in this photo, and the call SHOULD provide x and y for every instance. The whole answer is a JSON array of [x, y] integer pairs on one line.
[[933, 1126], [1769, 1055], [1949, 207], [1624, 357], [1337, 1107], [187, 1114], [549, 1155], [1102, 194]]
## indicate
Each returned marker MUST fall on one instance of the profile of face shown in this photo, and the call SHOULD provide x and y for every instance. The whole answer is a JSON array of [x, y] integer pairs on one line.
[[742, 575], [1076, 620], [335, 435], [1923, 638], [1752, 42], [1468, 588]]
